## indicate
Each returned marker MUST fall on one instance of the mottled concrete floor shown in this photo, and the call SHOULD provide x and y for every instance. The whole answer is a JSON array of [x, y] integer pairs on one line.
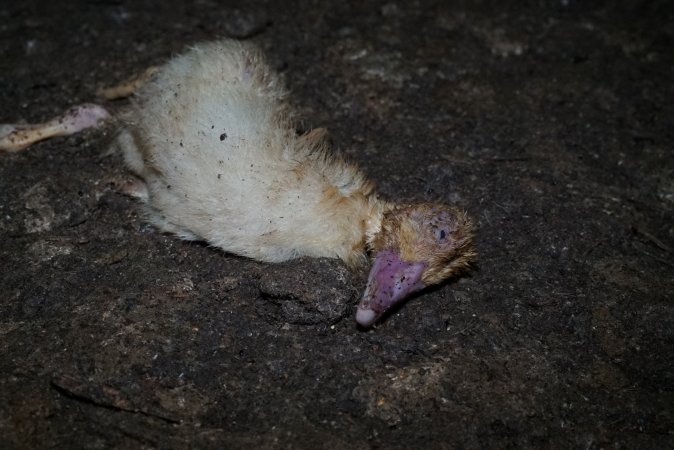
[[552, 123]]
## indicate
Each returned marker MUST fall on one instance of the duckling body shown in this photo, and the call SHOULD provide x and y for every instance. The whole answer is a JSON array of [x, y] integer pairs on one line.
[[212, 136]]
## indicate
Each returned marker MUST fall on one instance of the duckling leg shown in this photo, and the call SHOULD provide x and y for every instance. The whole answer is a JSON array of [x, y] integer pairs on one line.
[[128, 87], [136, 188], [16, 137], [125, 144]]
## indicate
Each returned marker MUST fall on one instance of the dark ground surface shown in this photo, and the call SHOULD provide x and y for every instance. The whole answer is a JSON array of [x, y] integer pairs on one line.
[[551, 123]]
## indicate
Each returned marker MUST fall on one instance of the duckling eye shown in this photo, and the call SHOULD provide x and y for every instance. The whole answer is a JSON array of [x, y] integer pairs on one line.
[[441, 234]]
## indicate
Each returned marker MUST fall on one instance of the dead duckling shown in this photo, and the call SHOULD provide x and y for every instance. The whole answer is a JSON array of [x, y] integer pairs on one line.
[[212, 136]]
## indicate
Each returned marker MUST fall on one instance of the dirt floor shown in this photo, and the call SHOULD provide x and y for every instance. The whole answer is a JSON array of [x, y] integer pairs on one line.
[[552, 123]]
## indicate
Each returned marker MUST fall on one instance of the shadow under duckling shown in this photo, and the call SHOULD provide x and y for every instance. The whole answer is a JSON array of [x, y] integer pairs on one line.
[[211, 135]]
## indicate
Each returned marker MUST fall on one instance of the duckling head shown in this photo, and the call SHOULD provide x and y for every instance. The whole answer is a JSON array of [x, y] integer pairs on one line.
[[417, 246]]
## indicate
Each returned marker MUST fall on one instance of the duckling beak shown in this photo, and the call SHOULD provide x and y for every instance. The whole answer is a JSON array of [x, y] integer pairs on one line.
[[391, 280]]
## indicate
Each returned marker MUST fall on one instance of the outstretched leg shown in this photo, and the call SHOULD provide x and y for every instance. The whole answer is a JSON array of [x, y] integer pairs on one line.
[[15, 137], [128, 87]]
